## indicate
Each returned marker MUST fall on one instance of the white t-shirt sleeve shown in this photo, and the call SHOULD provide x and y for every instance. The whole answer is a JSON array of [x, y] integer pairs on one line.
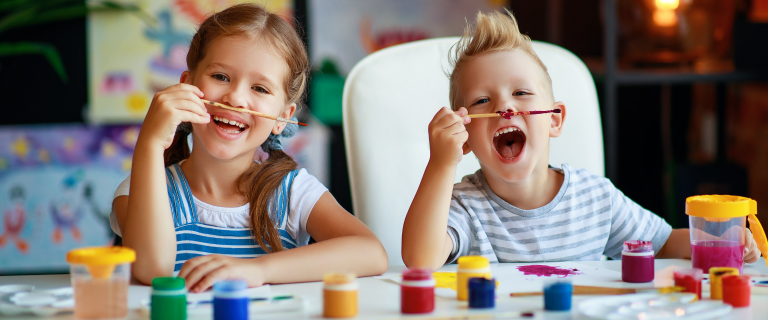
[[122, 190], [305, 191]]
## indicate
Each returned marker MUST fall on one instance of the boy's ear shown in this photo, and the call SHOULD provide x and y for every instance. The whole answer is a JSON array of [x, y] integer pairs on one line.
[[556, 126], [287, 114], [465, 148]]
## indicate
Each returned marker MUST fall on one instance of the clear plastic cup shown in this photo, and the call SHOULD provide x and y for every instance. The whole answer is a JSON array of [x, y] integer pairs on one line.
[[100, 279]]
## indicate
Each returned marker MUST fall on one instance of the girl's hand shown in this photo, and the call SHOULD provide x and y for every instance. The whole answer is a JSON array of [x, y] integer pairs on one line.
[[202, 272], [447, 136], [170, 107], [751, 254]]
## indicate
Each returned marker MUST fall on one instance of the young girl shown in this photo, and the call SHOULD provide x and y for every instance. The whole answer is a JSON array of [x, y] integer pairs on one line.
[[224, 206]]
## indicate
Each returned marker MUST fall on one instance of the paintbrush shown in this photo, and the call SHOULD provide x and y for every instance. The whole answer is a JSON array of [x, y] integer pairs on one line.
[[509, 113], [258, 114], [588, 290]]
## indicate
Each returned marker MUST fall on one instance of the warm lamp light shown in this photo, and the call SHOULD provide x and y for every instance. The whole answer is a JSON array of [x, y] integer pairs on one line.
[[664, 18], [667, 4]]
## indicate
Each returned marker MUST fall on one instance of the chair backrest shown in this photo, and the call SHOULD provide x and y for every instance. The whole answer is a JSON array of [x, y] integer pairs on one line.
[[390, 98]]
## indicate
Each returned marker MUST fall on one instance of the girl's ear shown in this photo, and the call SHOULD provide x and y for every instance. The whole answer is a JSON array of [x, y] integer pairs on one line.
[[287, 114], [186, 77], [556, 125]]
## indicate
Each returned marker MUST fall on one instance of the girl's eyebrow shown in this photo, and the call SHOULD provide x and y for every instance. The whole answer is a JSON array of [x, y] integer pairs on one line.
[[219, 65]]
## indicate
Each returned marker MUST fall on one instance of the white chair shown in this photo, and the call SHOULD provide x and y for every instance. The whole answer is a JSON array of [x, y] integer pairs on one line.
[[390, 98]]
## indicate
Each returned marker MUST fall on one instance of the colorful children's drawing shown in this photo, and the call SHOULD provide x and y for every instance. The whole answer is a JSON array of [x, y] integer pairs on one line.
[[14, 221], [130, 58], [56, 187]]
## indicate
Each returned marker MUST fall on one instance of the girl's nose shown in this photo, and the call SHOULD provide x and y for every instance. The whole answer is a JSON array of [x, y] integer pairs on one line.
[[236, 98]]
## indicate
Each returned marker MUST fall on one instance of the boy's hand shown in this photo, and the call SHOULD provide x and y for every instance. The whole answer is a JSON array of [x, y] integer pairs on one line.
[[751, 254], [201, 273], [170, 107], [447, 135]]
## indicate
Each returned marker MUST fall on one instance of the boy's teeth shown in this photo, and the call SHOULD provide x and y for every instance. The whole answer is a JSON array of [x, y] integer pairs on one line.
[[505, 130]]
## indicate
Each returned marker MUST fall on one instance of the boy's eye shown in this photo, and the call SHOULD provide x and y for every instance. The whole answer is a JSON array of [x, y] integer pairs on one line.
[[260, 89], [481, 101], [520, 93], [220, 77]]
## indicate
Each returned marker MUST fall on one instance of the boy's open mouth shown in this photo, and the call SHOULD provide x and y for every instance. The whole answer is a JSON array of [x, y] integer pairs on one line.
[[509, 142], [230, 126]]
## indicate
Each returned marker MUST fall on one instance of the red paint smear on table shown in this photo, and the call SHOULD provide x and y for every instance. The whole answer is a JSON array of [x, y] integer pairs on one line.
[[546, 271]]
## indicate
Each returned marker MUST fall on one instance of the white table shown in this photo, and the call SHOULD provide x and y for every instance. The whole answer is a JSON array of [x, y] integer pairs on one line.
[[379, 299]]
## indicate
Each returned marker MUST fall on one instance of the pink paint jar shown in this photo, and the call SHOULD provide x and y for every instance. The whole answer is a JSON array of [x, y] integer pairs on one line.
[[637, 261], [417, 291]]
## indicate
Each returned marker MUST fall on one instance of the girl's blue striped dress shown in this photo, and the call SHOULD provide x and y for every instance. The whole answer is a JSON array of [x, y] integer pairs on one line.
[[194, 239]]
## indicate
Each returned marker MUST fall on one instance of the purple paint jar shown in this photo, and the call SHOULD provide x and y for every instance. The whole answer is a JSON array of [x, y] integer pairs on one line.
[[637, 261]]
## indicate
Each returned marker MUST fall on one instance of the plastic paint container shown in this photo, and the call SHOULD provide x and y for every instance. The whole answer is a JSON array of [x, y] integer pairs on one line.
[[230, 300], [482, 293], [100, 278], [417, 291], [557, 294], [339, 295], [718, 230], [169, 299], [637, 261], [690, 280], [470, 267], [716, 275], [736, 290]]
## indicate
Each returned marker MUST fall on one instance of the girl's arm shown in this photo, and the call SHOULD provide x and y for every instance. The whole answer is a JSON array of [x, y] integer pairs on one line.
[[144, 215], [344, 244]]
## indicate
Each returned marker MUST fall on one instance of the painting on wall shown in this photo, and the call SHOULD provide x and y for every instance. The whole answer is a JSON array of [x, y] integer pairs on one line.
[[56, 187], [133, 55], [343, 32]]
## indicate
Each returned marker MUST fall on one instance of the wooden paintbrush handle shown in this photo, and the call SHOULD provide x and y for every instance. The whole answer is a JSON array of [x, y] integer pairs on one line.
[[258, 114]]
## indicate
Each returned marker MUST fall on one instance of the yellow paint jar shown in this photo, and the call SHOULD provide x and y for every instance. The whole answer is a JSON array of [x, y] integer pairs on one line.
[[339, 295], [716, 275], [470, 267]]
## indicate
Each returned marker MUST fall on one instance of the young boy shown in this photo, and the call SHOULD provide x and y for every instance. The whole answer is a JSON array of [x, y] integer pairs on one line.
[[517, 208]]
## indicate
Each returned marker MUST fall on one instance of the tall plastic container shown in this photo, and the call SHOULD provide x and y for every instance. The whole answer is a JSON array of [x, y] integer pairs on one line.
[[717, 226], [100, 278]]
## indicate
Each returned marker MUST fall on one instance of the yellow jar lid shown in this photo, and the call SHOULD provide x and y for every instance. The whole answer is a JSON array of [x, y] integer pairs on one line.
[[338, 278], [101, 255], [720, 206], [473, 262]]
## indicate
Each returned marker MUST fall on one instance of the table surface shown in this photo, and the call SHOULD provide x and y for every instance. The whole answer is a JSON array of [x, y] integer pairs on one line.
[[379, 299]]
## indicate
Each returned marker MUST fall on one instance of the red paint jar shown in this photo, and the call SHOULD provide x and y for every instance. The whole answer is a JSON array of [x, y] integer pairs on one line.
[[417, 291], [737, 290], [637, 261], [690, 280]]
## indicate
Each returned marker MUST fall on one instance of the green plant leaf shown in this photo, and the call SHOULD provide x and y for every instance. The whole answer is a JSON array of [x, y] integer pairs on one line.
[[48, 51], [35, 16]]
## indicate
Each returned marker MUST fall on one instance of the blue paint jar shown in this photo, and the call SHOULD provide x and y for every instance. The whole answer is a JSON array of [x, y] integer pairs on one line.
[[230, 300], [557, 295], [482, 293]]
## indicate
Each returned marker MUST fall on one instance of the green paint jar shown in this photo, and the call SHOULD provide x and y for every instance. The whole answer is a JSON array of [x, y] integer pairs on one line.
[[169, 299]]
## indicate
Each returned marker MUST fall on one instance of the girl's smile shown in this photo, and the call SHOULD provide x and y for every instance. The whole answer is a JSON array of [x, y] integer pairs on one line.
[[228, 124]]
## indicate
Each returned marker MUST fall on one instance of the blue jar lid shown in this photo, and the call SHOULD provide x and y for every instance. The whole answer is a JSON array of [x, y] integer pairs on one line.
[[481, 283], [230, 286]]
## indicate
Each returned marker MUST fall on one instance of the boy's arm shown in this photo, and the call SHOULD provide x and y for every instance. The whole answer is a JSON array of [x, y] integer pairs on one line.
[[426, 243], [678, 246]]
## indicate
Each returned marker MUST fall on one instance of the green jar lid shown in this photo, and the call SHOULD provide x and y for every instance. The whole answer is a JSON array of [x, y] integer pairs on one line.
[[168, 283]]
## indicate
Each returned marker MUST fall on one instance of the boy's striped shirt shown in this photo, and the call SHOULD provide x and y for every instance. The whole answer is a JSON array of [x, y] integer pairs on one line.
[[588, 218]]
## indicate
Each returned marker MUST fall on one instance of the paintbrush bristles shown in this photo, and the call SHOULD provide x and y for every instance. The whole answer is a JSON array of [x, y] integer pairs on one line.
[[258, 114]]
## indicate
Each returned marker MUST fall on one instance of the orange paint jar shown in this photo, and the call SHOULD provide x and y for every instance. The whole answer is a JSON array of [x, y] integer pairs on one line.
[[339, 295]]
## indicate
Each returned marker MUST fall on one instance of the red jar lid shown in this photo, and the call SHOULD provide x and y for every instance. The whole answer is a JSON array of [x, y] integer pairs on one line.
[[638, 246], [417, 274]]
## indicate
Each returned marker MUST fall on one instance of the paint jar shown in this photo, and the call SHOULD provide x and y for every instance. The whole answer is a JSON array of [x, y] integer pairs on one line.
[[557, 294], [737, 290], [417, 291], [482, 293], [689, 280], [169, 299], [470, 267], [716, 275], [100, 278], [637, 261], [718, 231], [339, 295], [230, 300]]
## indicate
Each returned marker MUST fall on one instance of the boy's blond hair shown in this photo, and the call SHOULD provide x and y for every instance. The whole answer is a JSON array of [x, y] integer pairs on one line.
[[494, 32]]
